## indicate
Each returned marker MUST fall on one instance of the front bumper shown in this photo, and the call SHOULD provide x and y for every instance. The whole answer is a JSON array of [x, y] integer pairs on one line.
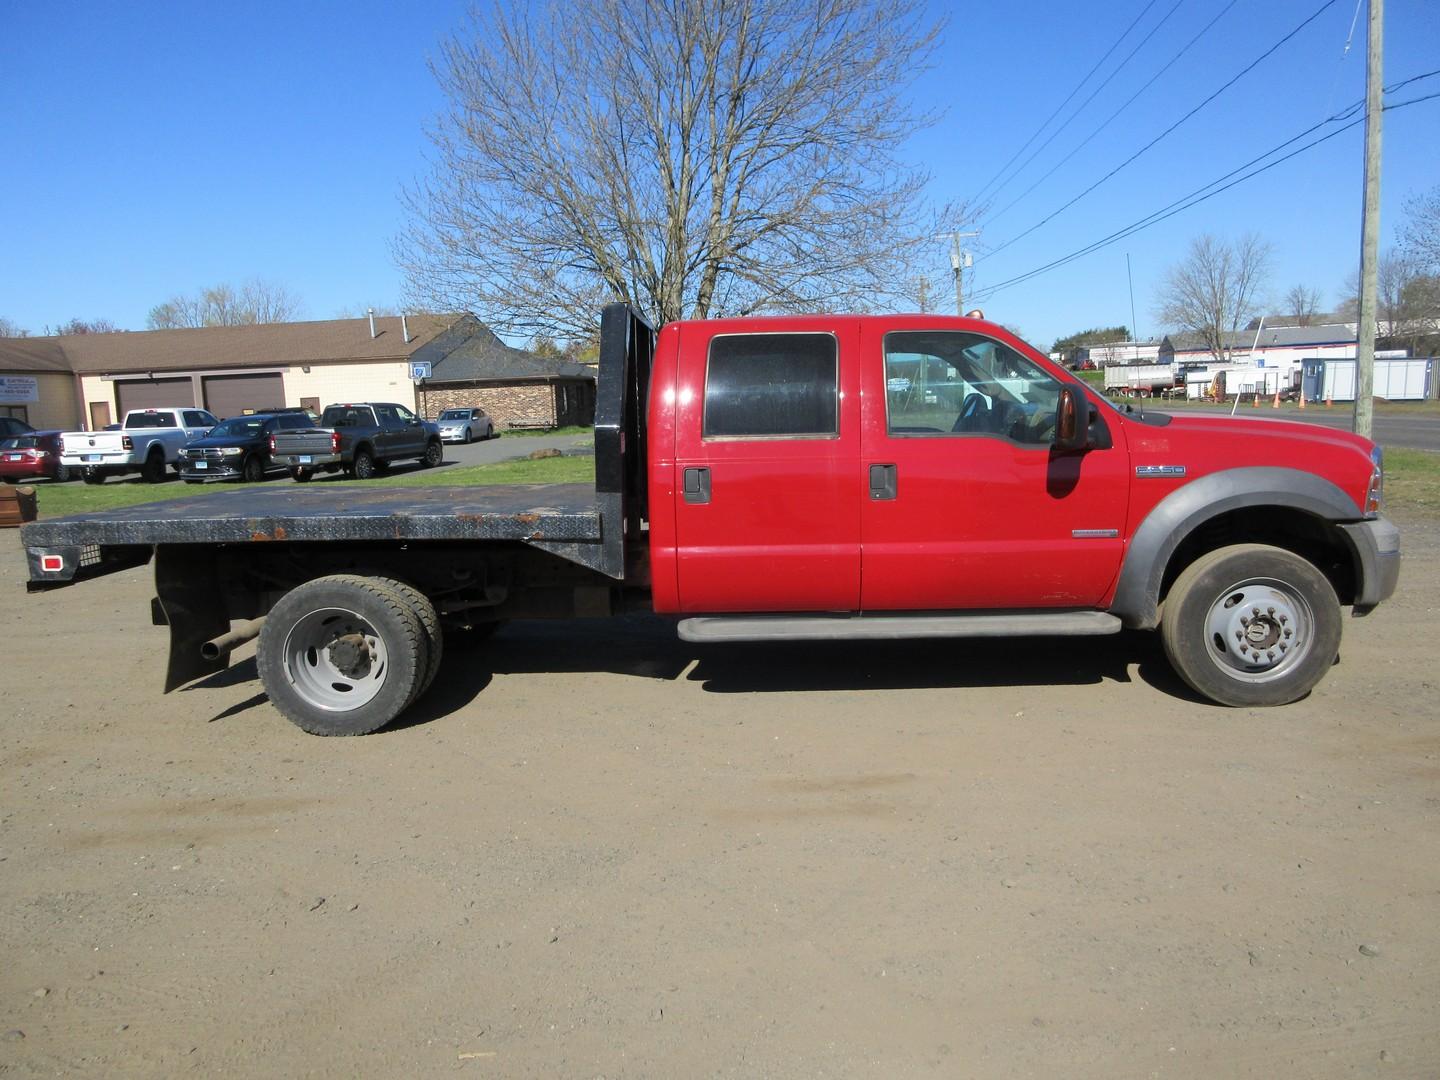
[[1376, 545], [209, 470]]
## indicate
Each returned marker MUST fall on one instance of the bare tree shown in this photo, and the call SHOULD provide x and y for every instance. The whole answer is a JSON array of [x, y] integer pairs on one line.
[[693, 159], [1407, 302], [1215, 290], [1303, 303], [10, 329], [257, 301], [83, 326], [1420, 238]]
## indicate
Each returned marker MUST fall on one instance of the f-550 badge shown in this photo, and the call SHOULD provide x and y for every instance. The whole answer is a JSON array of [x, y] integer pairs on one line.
[[1155, 472]]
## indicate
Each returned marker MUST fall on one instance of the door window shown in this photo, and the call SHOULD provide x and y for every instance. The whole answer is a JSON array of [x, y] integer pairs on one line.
[[386, 416], [772, 386], [953, 383], [405, 415]]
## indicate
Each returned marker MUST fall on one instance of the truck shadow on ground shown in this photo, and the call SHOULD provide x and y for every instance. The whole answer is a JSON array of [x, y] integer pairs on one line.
[[647, 647]]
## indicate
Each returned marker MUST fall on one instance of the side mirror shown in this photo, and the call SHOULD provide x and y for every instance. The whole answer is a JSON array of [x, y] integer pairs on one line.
[[1072, 420]]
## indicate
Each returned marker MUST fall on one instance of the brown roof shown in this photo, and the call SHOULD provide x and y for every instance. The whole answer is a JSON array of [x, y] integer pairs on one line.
[[32, 354], [261, 345]]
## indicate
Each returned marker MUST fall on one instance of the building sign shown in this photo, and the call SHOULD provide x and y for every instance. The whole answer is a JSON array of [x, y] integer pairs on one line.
[[419, 370], [19, 389]]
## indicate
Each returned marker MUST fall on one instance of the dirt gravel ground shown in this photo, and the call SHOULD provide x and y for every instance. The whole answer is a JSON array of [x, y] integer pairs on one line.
[[596, 851]]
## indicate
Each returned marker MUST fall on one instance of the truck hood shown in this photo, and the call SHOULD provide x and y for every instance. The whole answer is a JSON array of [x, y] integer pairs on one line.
[[1199, 445]]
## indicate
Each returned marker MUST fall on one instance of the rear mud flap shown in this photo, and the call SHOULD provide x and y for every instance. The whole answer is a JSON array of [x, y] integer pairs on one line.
[[193, 605]]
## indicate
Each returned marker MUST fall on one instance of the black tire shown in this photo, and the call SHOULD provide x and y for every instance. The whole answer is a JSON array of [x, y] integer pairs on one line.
[[425, 611], [153, 471], [1251, 625], [469, 435], [63, 474], [342, 638], [364, 465], [301, 476], [253, 471], [93, 476], [434, 454]]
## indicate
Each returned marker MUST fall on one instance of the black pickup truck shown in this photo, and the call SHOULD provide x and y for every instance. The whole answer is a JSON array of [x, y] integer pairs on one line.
[[360, 439]]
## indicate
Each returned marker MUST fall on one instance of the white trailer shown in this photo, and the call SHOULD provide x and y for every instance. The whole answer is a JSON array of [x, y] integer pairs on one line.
[[1139, 379]]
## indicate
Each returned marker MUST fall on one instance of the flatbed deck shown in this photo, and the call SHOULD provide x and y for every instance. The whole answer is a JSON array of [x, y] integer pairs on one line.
[[546, 515]]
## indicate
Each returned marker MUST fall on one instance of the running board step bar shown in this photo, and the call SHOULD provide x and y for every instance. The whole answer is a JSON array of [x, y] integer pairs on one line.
[[711, 628]]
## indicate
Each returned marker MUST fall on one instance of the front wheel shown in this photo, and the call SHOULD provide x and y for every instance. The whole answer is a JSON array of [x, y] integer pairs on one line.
[[253, 470], [434, 454], [301, 476], [93, 476], [1251, 625], [342, 655]]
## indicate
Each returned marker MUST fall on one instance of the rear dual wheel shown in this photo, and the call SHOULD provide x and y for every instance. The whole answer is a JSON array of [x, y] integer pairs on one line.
[[345, 654]]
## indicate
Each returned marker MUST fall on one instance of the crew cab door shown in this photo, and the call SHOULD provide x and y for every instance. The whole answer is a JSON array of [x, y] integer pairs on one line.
[[968, 507], [767, 442]]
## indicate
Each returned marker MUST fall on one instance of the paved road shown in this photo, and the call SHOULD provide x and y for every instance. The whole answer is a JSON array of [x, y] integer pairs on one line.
[[1418, 432]]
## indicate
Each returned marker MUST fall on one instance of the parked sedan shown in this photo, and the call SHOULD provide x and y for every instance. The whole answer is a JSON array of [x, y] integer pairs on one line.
[[238, 448], [465, 425], [34, 455]]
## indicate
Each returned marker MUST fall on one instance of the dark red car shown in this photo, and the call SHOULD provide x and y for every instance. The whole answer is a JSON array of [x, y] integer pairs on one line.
[[34, 455]]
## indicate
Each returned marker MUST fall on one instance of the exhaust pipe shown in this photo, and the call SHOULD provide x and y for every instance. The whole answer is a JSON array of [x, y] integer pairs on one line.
[[226, 643]]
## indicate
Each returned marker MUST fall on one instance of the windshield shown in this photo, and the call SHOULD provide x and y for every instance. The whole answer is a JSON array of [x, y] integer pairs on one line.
[[240, 426], [455, 414]]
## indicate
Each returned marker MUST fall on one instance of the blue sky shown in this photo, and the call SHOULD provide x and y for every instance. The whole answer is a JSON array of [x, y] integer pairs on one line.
[[158, 148]]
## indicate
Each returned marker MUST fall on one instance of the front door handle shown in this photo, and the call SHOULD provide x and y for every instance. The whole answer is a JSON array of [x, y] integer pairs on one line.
[[882, 482], [697, 486]]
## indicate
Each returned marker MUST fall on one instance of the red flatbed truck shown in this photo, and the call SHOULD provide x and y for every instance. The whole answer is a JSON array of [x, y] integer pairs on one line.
[[803, 477]]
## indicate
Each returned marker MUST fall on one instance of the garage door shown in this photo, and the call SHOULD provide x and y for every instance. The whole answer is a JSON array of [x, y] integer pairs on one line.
[[153, 393], [235, 395]]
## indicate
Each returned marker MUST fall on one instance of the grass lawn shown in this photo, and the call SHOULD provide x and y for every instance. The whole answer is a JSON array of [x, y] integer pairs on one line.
[[1412, 483]]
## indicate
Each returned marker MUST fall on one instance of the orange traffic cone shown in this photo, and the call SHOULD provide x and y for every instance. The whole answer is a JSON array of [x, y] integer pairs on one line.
[[1276, 403], [1302, 399], [1329, 404]]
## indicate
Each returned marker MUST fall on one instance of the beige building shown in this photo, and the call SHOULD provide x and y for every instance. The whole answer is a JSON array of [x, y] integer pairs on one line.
[[91, 380]]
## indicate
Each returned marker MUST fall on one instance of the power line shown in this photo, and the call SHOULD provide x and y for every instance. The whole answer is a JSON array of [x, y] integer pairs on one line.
[[1247, 69], [1080, 108], [1068, 97], [1196, 197], [1128, 102]]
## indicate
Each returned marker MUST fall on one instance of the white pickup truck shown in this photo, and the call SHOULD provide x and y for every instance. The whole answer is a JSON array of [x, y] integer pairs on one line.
[[148, 441]]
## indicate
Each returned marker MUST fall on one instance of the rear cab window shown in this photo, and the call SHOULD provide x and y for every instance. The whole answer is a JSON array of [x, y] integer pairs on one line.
[[772, 386]]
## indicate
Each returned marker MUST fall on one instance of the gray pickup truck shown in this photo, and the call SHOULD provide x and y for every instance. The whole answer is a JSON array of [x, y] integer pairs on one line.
[[358, 439]]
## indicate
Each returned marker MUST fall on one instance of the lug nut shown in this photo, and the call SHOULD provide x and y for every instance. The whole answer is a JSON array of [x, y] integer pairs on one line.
[[1270, 611], [1256, 611], [1289, 633], [1284, 619]]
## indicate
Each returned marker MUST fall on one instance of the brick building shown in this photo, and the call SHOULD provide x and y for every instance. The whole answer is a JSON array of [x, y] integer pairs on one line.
[[517, 388]]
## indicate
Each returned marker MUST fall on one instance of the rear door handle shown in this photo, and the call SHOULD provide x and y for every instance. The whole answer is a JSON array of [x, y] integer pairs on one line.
[[697, 486], [882, 482]]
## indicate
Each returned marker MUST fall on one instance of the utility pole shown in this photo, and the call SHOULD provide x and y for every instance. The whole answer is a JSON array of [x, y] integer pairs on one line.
[[1370, 226], [958, 261], [924, 296]]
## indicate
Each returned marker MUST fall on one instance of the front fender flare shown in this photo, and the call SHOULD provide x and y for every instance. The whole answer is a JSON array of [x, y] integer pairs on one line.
[[1137, 593]]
